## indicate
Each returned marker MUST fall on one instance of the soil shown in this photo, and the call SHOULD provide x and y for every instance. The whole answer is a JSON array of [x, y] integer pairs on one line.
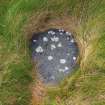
[[38, 93]]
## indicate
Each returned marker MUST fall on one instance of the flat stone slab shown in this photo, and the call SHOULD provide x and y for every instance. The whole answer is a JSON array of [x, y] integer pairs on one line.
[[56, 52]]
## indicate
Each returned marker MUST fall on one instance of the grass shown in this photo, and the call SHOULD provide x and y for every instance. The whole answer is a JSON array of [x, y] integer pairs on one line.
[[86, 86]]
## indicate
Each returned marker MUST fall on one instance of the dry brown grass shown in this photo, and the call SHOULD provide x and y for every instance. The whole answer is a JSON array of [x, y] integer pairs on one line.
[[46, 20]]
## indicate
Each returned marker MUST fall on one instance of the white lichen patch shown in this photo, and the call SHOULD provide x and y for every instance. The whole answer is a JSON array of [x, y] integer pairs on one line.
[[74, 58], [39, 49], [62, 61], [51, 32], [61, 70], [72, 41], [54, 39], [34, 40], [68, 33], [50, 58], [53, 46], [59, 44], [52, 77], [66, 68], [61, 30], [45, 39], [61, 33]]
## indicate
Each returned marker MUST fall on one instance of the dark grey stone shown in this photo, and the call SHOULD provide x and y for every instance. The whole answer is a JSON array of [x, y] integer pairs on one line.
[[56, 52]]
